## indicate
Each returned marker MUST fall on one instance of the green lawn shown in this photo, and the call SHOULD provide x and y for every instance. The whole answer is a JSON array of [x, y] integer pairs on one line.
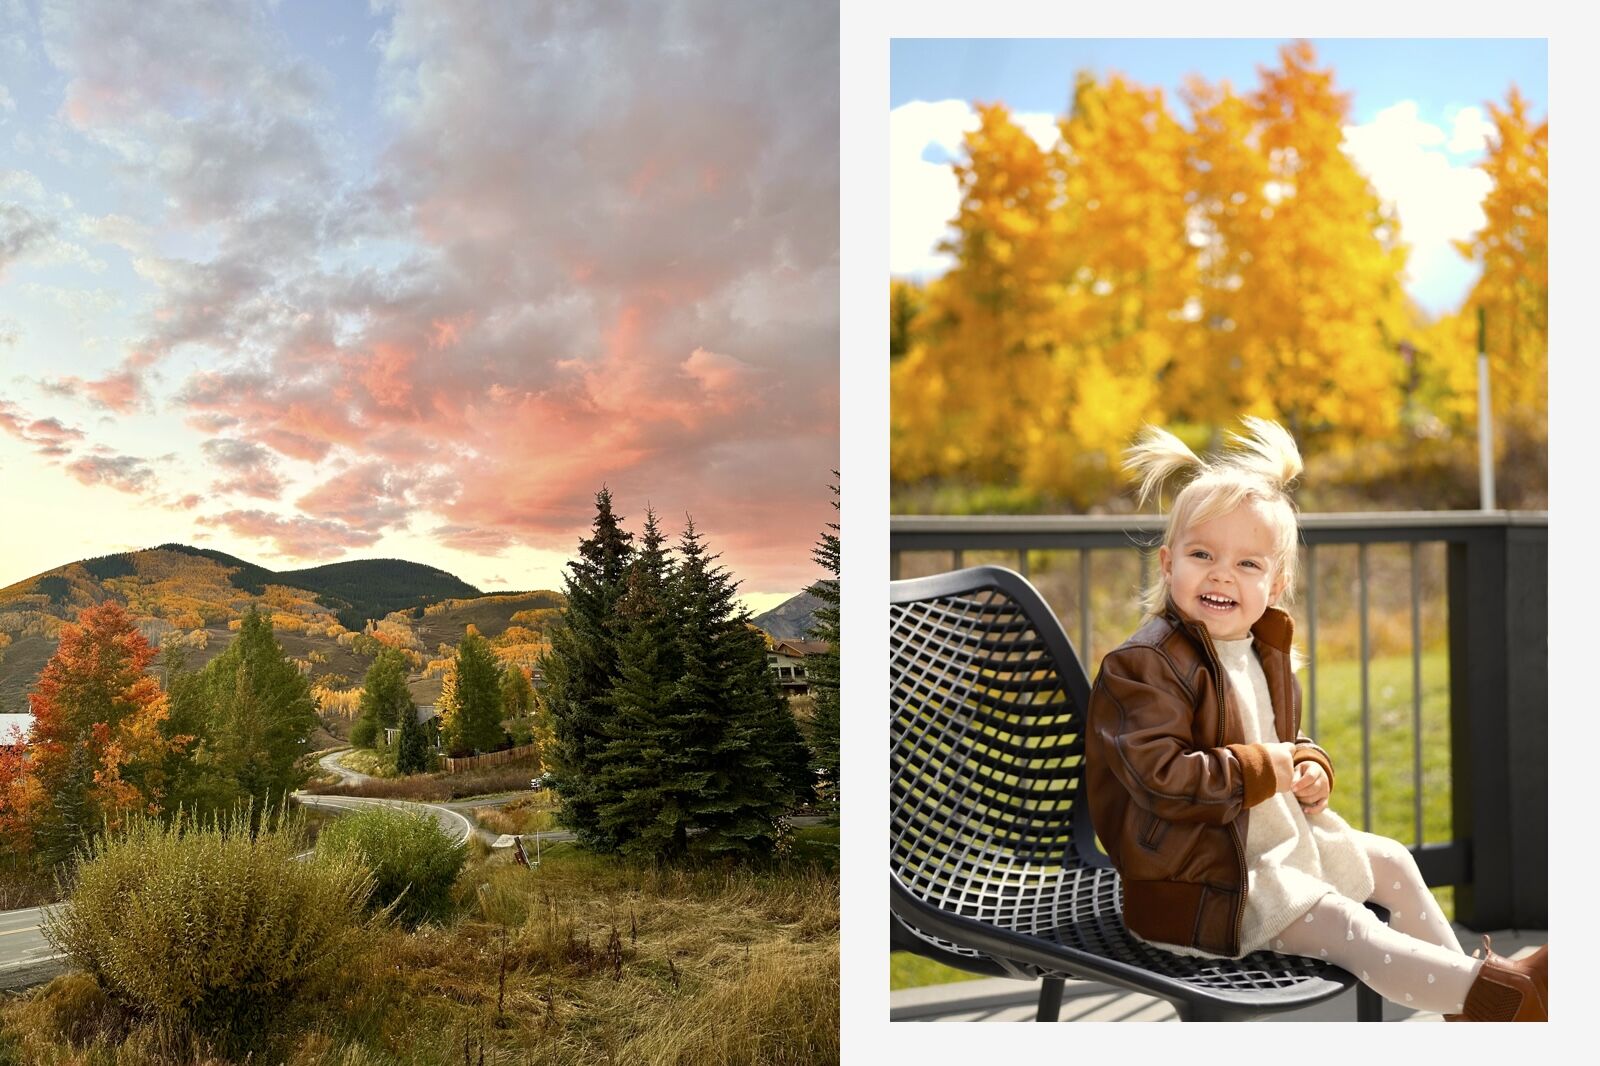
[[1338, 730]]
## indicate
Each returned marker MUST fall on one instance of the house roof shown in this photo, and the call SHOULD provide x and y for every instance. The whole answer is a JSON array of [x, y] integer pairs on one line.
[[800, 647]]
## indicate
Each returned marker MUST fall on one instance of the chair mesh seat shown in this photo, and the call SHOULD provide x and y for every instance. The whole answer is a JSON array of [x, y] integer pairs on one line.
[[988, 820]]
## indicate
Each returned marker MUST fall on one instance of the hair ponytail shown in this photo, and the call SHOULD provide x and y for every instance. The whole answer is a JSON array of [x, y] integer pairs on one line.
[[1259, 464], [1155, 456], [1267, 451]]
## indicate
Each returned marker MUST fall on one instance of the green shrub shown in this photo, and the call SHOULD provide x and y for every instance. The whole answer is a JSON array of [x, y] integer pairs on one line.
[[364, 734], [413, 861], [212, 928]]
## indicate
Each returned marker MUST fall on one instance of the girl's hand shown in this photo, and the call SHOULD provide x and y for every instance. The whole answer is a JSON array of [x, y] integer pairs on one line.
[[1311, 787]]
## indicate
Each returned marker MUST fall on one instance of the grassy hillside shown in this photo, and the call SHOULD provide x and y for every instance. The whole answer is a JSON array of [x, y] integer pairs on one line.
[[320, 614]]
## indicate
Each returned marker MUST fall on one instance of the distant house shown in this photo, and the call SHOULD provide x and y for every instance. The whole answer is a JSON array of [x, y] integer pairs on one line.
[[787, 660], [22, 723], [426, 712]]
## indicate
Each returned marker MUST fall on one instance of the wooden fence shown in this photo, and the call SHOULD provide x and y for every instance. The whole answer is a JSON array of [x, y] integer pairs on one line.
[[494, 758]]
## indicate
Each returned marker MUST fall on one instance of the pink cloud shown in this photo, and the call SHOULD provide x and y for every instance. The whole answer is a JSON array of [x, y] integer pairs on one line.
[[121, 391], [125, 473], [48, 435], [474, 540], [369, 496], [248, 468], [299, 538]]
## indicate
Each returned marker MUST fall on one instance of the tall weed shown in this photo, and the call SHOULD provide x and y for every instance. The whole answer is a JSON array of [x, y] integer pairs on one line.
[[214, 928]]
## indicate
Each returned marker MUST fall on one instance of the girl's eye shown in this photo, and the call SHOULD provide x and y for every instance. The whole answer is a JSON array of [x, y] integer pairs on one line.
[[1199, 554], [1252, 563]]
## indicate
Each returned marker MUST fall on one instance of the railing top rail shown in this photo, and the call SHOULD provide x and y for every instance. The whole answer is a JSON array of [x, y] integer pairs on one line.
[[1025, 524]]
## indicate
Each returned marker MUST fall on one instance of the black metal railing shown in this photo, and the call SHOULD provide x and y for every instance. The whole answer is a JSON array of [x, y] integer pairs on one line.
[[1495, 590]]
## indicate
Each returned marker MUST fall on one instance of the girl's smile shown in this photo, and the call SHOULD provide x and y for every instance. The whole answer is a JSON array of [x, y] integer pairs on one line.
[[1221, 571]]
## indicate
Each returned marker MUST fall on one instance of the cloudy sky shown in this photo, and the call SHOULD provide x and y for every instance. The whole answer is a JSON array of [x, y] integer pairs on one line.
[[307, 282], [1417, 128]]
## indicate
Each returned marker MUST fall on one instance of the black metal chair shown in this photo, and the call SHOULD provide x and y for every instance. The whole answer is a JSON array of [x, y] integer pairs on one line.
[[993, 864]]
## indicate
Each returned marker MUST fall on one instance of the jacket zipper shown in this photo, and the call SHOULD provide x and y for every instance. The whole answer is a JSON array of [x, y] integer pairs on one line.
[[1233, 829]]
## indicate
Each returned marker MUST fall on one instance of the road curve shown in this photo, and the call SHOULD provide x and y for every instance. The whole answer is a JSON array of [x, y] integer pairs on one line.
[[330, 762], [457, 825]]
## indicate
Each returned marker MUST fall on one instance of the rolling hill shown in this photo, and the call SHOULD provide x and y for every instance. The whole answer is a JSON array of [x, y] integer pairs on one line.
[[320, 615]]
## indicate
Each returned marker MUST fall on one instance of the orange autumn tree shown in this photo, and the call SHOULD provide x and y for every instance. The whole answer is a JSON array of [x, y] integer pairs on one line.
[[97, 745]]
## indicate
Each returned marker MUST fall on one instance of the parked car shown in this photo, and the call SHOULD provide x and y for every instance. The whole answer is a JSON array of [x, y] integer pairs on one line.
[[540, 782]]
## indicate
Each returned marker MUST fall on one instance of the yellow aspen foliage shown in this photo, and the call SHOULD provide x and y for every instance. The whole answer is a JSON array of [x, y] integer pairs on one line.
[[1512, 248], [1301, 305], [956, 402]]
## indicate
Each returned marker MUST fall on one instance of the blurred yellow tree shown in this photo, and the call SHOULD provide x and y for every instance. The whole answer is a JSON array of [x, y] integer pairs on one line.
[[1302, 305], [1512, 247], [1137, 270], [958, 397], [1037, 356]]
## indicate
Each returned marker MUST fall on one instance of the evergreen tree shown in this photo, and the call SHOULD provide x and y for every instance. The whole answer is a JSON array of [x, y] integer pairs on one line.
[[823, 670], [384, 697], [260, 714], [581, 666], [743, 760], [649, 773], [411, 754], [475, 725]]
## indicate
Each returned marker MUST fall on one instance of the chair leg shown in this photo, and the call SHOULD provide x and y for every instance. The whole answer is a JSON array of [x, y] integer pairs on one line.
[[1369, 1005], [1190, 1011], [1050, 999]]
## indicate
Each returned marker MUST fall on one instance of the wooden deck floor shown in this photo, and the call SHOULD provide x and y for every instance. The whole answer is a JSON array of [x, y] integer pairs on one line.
[[1000, 1000]]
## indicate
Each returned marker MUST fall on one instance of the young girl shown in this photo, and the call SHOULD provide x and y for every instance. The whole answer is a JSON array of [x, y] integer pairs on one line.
[[1206, 796]]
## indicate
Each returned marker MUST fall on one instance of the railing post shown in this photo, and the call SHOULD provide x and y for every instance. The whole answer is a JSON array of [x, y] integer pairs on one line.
[[1527, 613], [1498, 725]]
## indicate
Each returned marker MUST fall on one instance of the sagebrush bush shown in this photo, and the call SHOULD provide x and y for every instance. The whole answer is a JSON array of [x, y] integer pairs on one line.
[[413, 861], [212, 928]]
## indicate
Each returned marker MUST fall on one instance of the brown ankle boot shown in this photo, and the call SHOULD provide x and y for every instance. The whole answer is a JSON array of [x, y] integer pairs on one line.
[[1508, 990]]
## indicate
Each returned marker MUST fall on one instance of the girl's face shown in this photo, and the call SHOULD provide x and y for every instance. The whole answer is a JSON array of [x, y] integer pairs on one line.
[[1221, 571]]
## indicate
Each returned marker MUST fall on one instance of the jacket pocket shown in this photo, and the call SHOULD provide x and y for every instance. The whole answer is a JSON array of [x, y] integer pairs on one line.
[[1151, 830]]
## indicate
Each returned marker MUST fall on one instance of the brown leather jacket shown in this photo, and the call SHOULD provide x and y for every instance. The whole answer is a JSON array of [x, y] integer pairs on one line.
[[1171, 781]]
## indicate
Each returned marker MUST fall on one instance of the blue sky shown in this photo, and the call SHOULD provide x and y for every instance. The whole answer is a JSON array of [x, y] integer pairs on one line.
[[415, 278], [1417, 117]]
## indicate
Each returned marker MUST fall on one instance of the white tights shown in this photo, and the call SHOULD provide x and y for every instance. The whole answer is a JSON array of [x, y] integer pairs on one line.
[[1415, 960]]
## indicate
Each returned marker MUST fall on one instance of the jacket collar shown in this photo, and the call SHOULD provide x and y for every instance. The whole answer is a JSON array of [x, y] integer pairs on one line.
[[1275, 628]]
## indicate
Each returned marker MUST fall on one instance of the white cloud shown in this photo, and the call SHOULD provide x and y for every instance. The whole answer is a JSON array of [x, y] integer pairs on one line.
[[7, 103], [1469, 131], [1438, 199]]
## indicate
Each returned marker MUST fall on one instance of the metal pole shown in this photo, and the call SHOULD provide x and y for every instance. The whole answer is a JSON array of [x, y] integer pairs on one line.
[[1485, 426]]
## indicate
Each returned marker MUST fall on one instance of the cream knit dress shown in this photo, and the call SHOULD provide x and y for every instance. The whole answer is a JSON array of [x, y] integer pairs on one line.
[[1292, 860]]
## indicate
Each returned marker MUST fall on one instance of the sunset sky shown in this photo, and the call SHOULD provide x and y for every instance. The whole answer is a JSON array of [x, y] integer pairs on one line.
[[309, 282]]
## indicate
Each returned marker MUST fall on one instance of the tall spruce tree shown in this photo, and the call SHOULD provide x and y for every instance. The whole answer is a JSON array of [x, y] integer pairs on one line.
[[384, 697], [252, 712], [475, 725], [646, 781], [822, 733], [581, 667], [411, 747], [744, 761]]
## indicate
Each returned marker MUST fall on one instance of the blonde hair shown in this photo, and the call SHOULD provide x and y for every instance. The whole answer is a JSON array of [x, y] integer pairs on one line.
[[1260, 466]]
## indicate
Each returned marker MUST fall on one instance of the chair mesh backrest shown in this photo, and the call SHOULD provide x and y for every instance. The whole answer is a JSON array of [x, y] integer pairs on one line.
[[987, 754]]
